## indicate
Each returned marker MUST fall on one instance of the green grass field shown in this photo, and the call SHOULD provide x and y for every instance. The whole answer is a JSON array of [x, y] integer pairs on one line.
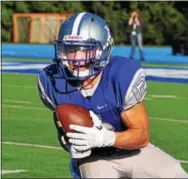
[[26, 121]]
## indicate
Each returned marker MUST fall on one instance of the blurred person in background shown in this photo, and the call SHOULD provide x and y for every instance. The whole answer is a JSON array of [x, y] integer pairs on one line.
[[136, 34]]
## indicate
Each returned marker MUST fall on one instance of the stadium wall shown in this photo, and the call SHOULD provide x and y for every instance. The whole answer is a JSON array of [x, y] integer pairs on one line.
[[152, 54]]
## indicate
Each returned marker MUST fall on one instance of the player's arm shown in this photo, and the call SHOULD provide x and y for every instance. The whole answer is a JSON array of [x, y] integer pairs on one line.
[[134, 116], [50, 104], [130, 22], [45, 98], [137, 135]]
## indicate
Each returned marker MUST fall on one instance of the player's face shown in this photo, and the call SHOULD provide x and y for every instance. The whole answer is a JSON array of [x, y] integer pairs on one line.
[[80, 55], [80, 58]]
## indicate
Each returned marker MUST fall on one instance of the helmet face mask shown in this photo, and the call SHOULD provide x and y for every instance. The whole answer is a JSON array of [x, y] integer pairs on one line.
[[80, 66], [86, 53]]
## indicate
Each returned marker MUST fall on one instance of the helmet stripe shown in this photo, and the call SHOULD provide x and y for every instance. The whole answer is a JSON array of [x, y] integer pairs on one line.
[[76, 23]]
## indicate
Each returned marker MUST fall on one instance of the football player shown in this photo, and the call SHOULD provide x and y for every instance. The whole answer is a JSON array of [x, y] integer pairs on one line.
[[112, 88]]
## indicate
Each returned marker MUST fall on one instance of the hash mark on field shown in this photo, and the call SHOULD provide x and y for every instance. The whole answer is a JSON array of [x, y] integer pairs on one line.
[[51, 147], [15, 101]]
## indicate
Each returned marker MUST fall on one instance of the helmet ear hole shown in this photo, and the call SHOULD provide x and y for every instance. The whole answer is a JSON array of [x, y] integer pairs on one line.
[[92, 19]]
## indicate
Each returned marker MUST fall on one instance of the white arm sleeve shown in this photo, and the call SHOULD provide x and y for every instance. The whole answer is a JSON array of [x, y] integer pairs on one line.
[[44, 97], [136, 90]]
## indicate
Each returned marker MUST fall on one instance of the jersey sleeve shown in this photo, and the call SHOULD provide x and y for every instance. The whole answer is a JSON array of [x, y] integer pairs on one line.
[[137, 89], [43, 93]]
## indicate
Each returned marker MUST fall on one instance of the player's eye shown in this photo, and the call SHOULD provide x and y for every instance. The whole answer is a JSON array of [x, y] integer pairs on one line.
[[71, 49]]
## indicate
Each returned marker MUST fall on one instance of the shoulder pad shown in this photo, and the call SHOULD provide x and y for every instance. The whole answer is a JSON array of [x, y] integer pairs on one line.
[[51, 69]]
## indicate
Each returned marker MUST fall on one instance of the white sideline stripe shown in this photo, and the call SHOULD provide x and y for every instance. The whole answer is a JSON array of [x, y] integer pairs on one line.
[[169, 73], [25, 67], [12, 171], [168, 119], [51, 147]]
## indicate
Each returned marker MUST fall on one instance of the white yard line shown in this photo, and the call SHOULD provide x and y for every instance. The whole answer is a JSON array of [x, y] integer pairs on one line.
[[168, 119], [32, 145], [149, 95], [51, 147], [16, 101], [45, 109], [19, 86], [167, 96], [12, 171], [24, 107], [146, 98], [184, 161]]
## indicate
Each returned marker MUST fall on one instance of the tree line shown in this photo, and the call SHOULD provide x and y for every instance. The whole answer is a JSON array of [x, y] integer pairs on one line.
[[163, 21]]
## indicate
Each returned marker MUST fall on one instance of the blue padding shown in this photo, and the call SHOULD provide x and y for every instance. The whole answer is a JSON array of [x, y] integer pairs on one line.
[[152, 54], [27, 51]]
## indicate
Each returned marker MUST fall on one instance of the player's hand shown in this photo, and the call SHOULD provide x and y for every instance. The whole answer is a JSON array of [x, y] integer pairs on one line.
[[86, 138], [76, 154], [73, 152]]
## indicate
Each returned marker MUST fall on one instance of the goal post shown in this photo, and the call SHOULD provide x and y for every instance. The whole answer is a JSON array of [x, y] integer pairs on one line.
[[37, 27]]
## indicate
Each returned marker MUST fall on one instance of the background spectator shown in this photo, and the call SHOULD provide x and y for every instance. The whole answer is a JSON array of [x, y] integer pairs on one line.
[[136, 34]]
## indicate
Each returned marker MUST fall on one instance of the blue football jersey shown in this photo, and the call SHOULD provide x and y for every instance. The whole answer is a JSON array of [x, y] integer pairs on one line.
[[122, 86]]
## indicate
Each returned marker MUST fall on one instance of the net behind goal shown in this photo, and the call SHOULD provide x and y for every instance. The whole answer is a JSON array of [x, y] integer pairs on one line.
[[37, 27]]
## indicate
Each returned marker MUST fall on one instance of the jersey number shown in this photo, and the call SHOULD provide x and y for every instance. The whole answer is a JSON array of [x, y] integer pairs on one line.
[[139, 88]]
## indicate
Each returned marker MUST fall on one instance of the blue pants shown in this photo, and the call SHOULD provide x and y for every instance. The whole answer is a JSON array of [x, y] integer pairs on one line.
[[136, 39]]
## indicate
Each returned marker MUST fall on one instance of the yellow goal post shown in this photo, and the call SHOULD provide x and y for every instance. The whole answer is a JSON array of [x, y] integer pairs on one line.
[[37, 27]]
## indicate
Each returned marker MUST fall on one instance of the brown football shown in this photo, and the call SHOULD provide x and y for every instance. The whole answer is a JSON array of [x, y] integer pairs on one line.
[[73, 114]]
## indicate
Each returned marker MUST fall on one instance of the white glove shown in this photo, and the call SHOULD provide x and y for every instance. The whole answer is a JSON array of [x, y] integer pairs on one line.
[[73, 152], [86, 138], [79, 154]]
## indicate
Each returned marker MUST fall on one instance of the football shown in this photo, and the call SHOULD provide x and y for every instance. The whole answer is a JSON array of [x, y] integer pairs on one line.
[[73, 114]]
